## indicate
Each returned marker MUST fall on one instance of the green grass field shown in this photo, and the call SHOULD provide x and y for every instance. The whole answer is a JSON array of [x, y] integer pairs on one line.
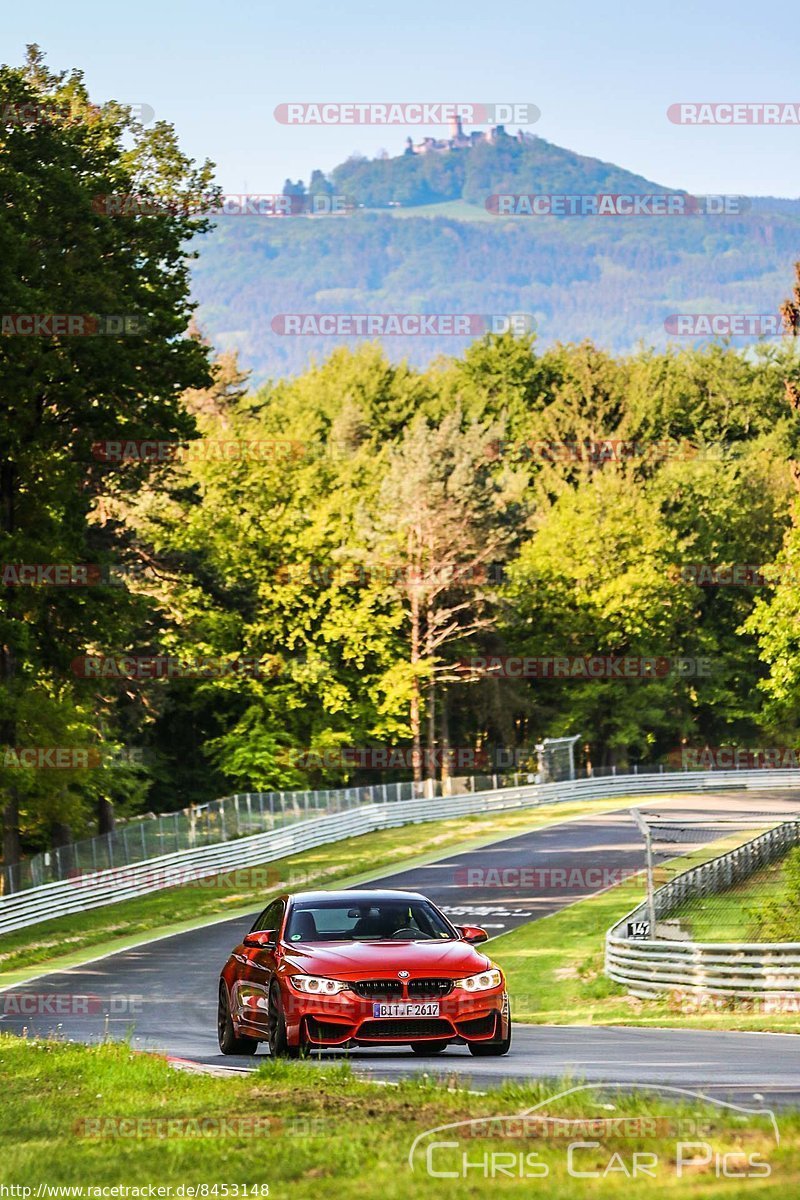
[[103, 1116], [67, 940], [759, 909]]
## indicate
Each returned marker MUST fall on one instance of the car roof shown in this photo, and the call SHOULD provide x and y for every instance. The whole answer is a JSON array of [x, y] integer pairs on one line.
[[366, 896]]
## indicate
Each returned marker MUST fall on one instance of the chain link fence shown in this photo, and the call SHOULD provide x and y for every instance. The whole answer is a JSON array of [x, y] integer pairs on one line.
[[245, 813], [223, 820], [736, 897], [697, 932]]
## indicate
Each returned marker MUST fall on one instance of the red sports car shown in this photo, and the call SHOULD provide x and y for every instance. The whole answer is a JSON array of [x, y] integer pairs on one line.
[[361, 968]]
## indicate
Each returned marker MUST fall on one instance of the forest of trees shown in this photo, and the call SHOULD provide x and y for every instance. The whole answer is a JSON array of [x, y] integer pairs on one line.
[[614, 280], [279, 575]]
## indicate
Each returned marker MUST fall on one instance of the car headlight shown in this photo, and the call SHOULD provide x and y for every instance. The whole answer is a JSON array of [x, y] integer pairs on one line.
[[316, 985], [482, 982]]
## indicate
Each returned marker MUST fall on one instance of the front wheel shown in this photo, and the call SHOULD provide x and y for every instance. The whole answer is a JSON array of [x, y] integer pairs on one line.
[[229, 1043], [278, 1042]]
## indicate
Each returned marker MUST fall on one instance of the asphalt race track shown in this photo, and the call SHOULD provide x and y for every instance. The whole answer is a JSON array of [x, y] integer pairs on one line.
[[162, 995]]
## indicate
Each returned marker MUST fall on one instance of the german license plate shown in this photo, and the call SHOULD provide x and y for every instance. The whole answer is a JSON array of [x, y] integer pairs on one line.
[[428, 1009]]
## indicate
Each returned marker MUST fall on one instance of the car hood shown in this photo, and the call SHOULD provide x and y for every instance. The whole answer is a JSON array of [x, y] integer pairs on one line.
[[367, 959]]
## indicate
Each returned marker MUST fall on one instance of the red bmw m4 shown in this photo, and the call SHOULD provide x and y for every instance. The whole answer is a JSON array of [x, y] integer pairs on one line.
[[361, 968]]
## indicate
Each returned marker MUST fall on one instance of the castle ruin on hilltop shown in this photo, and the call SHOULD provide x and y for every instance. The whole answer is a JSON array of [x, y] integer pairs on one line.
[[459, 140]]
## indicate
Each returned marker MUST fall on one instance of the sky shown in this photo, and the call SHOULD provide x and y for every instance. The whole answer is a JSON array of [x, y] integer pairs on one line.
[[603, 76]]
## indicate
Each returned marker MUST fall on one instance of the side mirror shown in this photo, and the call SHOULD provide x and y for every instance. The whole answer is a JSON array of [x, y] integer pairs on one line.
[[473, 934], [262, 940]]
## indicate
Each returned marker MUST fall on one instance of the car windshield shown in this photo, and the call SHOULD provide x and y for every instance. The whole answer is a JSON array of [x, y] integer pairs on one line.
[[362, 921]]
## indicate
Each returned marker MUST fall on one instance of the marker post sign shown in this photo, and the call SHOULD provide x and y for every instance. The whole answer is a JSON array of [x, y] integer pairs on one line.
[[638, 929], [644, 828]]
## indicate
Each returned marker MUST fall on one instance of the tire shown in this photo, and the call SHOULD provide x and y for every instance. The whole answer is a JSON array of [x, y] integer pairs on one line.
[[426, 1048], [492, 1049], [276, 1021], [229, 1043]]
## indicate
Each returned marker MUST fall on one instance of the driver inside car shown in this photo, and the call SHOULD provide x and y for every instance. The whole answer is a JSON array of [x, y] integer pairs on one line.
[[383, 922]]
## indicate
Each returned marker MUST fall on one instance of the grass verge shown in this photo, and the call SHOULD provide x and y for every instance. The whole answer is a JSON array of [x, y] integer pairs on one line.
[[555, 969], [103, 1116], [64, 941]]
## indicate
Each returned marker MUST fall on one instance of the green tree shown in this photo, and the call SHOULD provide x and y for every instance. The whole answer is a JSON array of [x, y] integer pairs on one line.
[[442, 525], [65, 250], [597, 579]]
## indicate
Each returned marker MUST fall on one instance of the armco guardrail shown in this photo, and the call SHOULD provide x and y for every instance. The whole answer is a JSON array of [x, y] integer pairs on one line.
[[95, 889], [653, 966]]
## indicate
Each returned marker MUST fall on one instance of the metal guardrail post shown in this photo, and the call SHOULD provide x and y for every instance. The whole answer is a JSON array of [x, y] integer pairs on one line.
[[644, 828]]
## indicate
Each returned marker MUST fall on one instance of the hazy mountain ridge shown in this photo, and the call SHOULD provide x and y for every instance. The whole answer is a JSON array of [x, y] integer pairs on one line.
[[612, 279]]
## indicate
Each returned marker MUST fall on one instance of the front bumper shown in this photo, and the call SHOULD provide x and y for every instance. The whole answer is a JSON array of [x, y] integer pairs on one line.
[[349, 1019]]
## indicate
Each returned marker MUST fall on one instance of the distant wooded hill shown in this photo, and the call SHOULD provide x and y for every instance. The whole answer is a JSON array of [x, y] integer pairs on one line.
[[612, 279]]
